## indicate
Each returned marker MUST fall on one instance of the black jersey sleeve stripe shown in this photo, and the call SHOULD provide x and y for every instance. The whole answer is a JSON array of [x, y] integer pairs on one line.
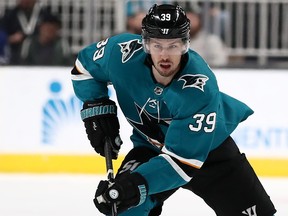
[[74, 71]]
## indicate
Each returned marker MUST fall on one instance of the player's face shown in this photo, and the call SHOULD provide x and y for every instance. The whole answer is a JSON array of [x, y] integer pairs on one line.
[[166, 55]]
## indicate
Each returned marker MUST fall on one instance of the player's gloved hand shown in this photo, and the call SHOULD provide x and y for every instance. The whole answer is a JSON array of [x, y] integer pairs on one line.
[[101, 121], [127, 191]]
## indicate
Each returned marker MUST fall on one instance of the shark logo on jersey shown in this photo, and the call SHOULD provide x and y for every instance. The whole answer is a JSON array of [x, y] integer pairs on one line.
[[129, 48], [149, 126], [195, 81]]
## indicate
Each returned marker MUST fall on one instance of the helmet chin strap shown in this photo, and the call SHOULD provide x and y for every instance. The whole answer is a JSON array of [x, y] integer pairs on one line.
[[150, 63]]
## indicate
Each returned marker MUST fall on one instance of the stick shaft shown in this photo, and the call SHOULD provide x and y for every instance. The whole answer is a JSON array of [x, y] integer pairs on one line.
[[109, 168]]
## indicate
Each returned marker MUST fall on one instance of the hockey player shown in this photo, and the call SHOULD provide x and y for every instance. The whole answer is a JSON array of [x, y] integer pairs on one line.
[[181, 122]]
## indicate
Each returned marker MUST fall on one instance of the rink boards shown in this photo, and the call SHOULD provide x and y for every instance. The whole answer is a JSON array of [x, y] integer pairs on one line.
[[93, 164], [41, 130]]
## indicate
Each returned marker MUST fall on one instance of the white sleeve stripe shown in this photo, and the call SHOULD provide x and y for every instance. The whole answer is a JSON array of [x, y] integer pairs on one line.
[[80, 67], [191, 162], [84, 73], [176, 167], [80, 77]]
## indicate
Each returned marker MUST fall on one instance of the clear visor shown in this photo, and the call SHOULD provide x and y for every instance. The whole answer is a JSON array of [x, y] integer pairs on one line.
[[177, 46]]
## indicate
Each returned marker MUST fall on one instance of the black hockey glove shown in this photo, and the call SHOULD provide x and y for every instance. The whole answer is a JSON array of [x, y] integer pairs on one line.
[[127, 191], [100, 120]]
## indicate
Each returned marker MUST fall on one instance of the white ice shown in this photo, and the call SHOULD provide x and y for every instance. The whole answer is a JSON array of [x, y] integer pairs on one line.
[[71, 195]]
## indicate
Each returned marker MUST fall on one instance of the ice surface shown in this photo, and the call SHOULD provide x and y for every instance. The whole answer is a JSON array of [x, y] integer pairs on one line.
[[71, 195]]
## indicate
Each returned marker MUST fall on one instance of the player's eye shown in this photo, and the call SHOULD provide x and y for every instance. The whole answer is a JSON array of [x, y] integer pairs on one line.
[[173, 47], [157, 46]]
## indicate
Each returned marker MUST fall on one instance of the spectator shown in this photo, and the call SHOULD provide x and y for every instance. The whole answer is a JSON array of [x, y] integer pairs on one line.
[[20, 23], [133, 7], [209, 46], [3, 48], [134, 22], [136, 11], [47, 47]]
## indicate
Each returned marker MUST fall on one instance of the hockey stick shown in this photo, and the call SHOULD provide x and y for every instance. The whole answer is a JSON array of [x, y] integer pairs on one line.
[[109, 168]]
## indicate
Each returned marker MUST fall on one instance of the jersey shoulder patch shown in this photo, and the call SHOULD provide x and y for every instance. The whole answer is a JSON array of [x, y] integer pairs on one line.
[[195, 81], [129, 48]]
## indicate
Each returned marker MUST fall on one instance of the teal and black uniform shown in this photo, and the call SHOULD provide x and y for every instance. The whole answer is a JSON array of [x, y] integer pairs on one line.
[[183, 122]]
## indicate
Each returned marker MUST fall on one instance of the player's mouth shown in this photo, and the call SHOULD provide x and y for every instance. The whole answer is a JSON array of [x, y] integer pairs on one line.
[[165, 65]]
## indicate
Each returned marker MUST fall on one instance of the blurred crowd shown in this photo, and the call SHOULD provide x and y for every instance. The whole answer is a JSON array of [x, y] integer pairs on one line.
[[30, 34]]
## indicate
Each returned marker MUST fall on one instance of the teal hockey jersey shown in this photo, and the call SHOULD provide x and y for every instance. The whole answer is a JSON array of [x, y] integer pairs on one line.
[[183, 121]]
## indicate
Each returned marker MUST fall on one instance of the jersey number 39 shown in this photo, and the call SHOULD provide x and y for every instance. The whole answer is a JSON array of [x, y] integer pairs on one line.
[[100, 51], [205, 122]]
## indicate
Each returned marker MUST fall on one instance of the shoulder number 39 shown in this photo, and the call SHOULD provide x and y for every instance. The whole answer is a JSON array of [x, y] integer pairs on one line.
[[100, 49], [207, 122]]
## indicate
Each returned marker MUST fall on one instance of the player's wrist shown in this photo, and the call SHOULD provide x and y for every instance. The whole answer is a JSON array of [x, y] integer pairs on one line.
[[99, 108]]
